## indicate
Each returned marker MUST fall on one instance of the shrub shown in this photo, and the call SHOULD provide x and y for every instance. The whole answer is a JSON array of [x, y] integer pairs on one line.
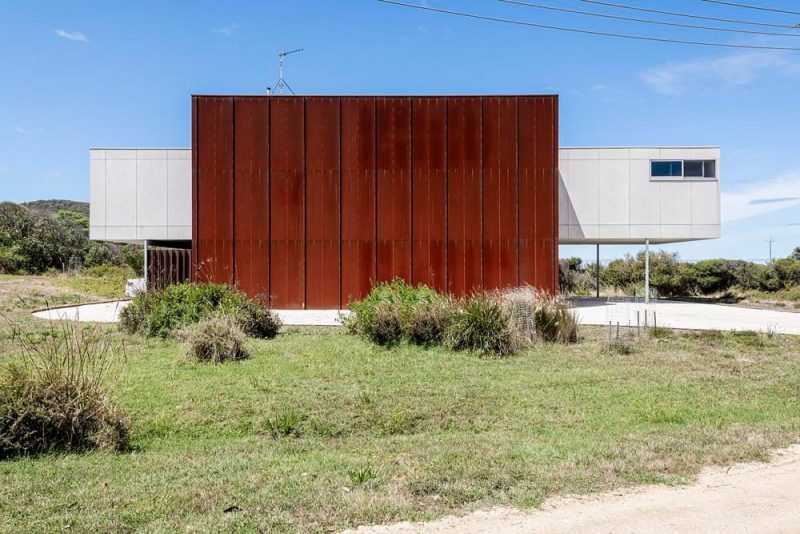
[[484, 325], [254, 316], [215, 339], [386, 326], [158, 313], [534, 314], [57, 400], [397, 311], [428, 322]]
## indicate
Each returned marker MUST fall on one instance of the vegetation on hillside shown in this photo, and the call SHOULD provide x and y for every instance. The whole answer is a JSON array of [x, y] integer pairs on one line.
[[47, 236], [53, 206]]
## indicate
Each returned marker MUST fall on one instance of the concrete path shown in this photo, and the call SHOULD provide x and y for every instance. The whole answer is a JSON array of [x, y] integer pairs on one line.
[[670, 314], [687, 315], [751, 498], [108, 312]]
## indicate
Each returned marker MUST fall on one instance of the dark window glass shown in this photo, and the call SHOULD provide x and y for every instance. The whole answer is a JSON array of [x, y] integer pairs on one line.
[[693, 169], [666, 168], [710, 168]]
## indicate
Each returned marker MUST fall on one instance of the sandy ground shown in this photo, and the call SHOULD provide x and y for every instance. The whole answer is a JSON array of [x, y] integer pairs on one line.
[[670, 314], [752, 498]]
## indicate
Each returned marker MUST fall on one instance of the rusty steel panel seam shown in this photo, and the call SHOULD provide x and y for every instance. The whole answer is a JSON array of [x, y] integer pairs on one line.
[[305, 203], [233, 190], [341, 205], [516, 172], [195, 185]]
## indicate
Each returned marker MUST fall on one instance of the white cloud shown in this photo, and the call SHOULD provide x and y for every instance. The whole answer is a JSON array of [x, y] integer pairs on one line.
[[677, 78], [227, 30], [23, 131], [764, 196], [78, 37]]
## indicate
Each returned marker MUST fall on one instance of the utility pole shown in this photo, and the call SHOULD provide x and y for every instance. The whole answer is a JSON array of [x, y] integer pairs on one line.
[[281, 81], [770, 241]]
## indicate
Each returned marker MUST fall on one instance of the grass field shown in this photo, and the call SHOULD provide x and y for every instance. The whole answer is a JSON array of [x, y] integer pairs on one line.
[[320, 431]]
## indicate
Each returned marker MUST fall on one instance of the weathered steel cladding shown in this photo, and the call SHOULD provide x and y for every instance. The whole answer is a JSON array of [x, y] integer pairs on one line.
[[358, 207], [251, 194], [313, 199]]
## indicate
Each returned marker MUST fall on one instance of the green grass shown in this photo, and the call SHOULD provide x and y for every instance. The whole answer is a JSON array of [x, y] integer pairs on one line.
[[103, 282], [320, 430]]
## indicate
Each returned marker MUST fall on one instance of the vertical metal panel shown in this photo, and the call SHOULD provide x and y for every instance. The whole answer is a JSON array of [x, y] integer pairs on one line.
[[538, 192], [358, 197], [287, 203], [394, 188], [166, 266], [499, 142], [464, 204], [215, 189], [429, 205], [323, 266], [251, 194], [195, 177]]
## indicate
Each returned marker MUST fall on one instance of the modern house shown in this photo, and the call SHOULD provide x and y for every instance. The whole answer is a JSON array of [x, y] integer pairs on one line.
[[312, 199]]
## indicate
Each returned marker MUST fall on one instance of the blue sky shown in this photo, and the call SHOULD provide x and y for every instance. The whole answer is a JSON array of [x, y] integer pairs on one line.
[[83, 74]]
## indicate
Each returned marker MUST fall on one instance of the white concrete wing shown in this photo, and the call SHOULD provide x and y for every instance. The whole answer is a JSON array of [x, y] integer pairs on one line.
[[139, 194], [629, 195]]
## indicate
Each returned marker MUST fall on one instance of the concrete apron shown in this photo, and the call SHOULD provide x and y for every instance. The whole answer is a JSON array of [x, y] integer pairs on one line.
[[108, 312], [668, 314]]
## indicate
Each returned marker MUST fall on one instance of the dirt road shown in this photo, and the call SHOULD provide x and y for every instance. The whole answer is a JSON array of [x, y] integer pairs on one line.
[[753, 498]]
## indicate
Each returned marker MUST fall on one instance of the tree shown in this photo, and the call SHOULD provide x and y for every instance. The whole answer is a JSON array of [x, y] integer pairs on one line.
[[795, 255]]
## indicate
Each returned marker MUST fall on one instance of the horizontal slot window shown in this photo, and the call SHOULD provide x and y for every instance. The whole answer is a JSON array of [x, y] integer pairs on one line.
[[666, 168], [683, 169]]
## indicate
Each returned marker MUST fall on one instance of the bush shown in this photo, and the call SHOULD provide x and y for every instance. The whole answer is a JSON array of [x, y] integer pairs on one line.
[[428, 322], [159, 313], [536, 315], [98, 253], [215, 339], [396, 311], [484, 325], [254, 316], [57, 400], [386, 326]]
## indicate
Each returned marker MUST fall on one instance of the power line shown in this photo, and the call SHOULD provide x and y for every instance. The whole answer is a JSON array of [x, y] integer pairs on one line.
[[579, 30], [688, 15], [747, 6], [646, 21]]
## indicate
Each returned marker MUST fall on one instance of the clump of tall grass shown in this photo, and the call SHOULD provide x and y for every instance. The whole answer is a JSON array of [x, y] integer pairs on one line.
[[215, 339], [484, 325], [539, 316], [57, 398]]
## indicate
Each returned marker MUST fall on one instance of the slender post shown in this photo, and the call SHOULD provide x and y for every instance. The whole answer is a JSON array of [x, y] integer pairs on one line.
[[146, 264], [647, 271], [597, 270]]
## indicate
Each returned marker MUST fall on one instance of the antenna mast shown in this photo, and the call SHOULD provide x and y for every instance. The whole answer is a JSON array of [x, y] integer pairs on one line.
[[281, 81]]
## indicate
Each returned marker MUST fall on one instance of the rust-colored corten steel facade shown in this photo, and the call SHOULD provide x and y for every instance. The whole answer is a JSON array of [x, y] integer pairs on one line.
[[312, 199]]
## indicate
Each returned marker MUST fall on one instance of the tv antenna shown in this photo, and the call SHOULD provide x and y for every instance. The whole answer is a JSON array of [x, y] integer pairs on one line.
[[281, 81]]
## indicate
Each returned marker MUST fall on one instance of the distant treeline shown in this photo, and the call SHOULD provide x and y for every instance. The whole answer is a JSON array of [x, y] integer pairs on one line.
[[672, 277], [44, 235]]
